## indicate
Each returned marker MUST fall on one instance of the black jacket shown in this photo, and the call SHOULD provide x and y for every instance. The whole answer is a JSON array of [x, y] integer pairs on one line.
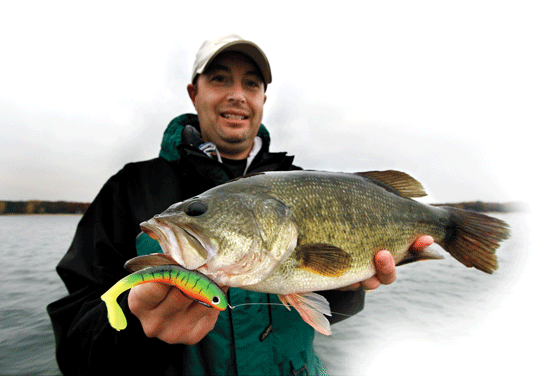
[[105, 240]]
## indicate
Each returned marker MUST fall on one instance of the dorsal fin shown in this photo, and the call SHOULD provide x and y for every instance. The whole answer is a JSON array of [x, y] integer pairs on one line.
[[246, 176], [403, 183]]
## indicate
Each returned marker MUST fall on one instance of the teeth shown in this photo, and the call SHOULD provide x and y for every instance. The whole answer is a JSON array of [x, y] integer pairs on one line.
[[234, 117]]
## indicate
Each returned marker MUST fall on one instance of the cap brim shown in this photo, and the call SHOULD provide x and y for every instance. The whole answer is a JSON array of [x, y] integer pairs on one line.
[[247, 48]]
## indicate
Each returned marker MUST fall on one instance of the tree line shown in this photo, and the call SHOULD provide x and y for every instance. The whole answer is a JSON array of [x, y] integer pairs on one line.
[[42, 207]]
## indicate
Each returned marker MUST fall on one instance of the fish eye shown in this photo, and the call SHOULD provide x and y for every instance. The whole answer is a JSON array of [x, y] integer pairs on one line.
[[196, 208], [216, 300]]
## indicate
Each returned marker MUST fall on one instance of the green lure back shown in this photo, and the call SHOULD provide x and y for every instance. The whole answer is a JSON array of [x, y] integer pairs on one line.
[[192, 284]]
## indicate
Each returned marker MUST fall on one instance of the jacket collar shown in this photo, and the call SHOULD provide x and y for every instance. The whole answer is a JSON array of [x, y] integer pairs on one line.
[[184, 131], [182, 142]]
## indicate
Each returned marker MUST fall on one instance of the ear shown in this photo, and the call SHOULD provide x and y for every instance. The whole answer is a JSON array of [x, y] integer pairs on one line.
[[192, 92]]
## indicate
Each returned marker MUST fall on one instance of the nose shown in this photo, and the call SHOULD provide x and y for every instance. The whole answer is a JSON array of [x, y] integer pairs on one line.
[[236, 94]]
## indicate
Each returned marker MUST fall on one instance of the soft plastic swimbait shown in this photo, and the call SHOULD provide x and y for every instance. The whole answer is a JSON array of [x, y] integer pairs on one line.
[[192, 284]]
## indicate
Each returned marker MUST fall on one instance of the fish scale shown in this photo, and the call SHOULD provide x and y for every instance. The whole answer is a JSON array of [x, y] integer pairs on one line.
[[346, 213]]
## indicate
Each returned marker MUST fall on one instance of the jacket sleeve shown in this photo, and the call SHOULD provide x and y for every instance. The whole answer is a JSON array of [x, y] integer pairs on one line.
[[344, 304], [86, 343]]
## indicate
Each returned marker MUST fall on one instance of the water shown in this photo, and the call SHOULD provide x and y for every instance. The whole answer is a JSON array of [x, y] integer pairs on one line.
[[31, 248], [435, 311]]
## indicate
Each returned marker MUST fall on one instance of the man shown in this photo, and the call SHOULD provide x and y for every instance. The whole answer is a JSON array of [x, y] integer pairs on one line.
[[168, 333]]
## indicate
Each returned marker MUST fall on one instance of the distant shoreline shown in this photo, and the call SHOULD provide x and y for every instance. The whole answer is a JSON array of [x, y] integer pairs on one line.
[[42, 207], [22, 214]]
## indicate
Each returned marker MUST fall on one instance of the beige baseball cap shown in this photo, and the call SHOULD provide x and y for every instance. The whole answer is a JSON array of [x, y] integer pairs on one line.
[[213, 47]]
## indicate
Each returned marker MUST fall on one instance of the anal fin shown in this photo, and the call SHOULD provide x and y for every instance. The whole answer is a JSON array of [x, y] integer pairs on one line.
[[312, 308]]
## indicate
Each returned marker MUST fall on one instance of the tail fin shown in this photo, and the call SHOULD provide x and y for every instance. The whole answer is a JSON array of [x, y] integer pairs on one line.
[[473, 238]]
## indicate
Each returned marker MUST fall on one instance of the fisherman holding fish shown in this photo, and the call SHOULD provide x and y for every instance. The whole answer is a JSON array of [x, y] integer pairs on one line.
[[168, 333]]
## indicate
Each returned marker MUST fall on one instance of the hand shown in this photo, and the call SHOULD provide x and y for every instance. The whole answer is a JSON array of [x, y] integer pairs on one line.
[[385, 266], [165, 313]]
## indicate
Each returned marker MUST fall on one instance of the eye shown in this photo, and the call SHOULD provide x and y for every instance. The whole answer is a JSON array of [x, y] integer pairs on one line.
[[219, 79], [196, 208], [253, 83], [215, 300]]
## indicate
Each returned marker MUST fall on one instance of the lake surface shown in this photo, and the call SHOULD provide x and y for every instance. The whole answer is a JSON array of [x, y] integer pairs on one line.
[[32, 245], [438, 317]]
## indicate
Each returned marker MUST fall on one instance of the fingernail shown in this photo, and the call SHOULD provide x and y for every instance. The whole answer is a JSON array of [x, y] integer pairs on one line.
[[385, 261]]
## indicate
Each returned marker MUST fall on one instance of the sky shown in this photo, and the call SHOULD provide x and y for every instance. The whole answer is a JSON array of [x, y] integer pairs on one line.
[[455, 93]]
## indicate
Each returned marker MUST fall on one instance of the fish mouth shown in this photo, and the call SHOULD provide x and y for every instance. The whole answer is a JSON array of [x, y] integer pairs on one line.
[[189, 247]]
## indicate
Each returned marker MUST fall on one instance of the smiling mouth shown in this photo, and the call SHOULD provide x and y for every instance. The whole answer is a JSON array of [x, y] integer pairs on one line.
[[234, 116]]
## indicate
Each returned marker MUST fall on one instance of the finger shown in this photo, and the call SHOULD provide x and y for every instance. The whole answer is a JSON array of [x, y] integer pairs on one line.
[[206, 321], [147, 296], [422, 242], [370, 284], [153, 302], [174, 322], [385, 267], [353, 287]]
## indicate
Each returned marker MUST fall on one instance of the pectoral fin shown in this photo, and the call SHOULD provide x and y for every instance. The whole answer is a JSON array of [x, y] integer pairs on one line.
[[323, 259], [147, 261], [312, 308]]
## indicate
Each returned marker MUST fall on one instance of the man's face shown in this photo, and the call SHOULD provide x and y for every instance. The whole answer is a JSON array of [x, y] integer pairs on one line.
[[229, 98]]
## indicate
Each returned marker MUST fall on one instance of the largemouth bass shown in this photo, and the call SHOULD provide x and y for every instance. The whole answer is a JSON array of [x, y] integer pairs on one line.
[[292, 233]]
